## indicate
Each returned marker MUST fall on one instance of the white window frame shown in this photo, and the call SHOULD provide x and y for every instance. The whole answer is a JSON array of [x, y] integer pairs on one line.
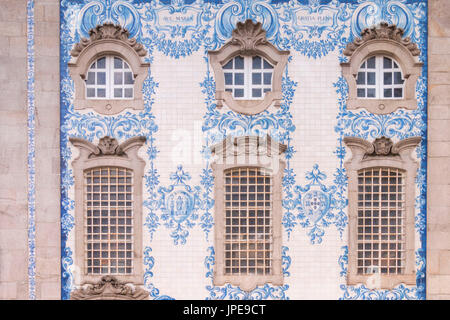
[[379, 85], [248, 71], [109, 85]]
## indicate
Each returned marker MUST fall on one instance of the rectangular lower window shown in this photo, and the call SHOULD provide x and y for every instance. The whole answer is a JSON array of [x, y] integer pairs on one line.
[[381, 221], [248, 238], [108, 194]]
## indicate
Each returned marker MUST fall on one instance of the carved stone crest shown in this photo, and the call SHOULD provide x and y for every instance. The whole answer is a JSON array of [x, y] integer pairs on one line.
[[109, 146], [108, 31], [382, 146], [248, 35], [109, 288], [383, 31]]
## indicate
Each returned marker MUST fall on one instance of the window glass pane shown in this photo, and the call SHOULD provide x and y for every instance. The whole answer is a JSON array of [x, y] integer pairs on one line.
[[101, 63], [90, 92], [398, 92], [117, 63], [361, 93], [371, 63], [117, 77], [128, 93], [267, 65], [228, 78], [256, 78], [90, 78], [370, 93], [387, 63], [238, 93], [388, 93], [129, 78], [361, 79], [256, 62], [388, 78], [398, 78], [101, 93], [256, 93], [239, 63], [229, 65], [117, 93], [101, 78], [239, 79], [267, 78], [371, 78]]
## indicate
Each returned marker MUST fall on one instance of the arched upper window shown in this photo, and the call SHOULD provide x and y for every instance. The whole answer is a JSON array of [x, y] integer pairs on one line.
[[248, 70], [248, 77], [380, 77], [382, 70], [108, 70], [109, 77]]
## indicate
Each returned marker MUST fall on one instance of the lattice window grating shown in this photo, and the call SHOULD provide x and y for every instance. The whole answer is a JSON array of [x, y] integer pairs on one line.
[[381, 221], [108, 220], [248, 221]]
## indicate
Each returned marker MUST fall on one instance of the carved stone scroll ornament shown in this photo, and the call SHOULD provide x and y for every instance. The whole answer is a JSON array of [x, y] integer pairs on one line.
[[248, 36], [108, 31], [381, 147], [109, 288], [107, 146], [384, 32]]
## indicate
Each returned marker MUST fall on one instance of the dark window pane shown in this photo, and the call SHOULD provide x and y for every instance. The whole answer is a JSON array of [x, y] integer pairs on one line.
[[266, 90], [101, 63], [256, 78], [238, 93], [363, 65], [117, 77], [387, 63], [117, 93], [395, 65], [256, 93], [267, 65], [371, 63], [239, 63], [361, 93], [101, 93], [398, 78], [371, 93], [117, 63], [361, 79], [387, 78], [239, 79], [256, 63], [90, 78], [371, 78], [90, 92], [388, 93], [129, 78], [229, 65], [267, 78], [101, 77], [228, 78], [128, 93], [398, 93]]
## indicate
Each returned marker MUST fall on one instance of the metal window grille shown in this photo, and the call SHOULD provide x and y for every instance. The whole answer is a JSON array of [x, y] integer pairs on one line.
[[381, 221], [108, 220], [248, 221]]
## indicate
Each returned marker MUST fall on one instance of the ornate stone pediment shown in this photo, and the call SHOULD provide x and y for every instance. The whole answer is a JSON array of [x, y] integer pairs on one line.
[[248, 36], [108, 31], [381, 147], [248, 145], [383, 31], [107, 146], [109, 288]]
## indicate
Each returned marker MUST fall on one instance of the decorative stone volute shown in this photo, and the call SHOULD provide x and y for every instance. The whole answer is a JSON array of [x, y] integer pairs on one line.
[[248, 35], [107, 146], [109, 288]]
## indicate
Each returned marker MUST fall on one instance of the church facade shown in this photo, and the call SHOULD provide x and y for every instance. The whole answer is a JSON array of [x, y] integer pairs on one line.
[[209, 149]]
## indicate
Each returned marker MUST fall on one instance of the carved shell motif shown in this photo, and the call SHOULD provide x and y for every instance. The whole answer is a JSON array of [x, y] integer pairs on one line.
[[383, 31], [248, 35], [108, 31]]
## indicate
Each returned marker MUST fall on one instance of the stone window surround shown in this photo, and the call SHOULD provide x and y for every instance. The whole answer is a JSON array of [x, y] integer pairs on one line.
[[248, 39], [108, 39], [108, 153], [383, 40], [365, 155], [248, 151]]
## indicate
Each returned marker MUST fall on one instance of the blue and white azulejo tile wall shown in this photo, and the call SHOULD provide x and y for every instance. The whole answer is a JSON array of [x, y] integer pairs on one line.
[[181, 122]]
